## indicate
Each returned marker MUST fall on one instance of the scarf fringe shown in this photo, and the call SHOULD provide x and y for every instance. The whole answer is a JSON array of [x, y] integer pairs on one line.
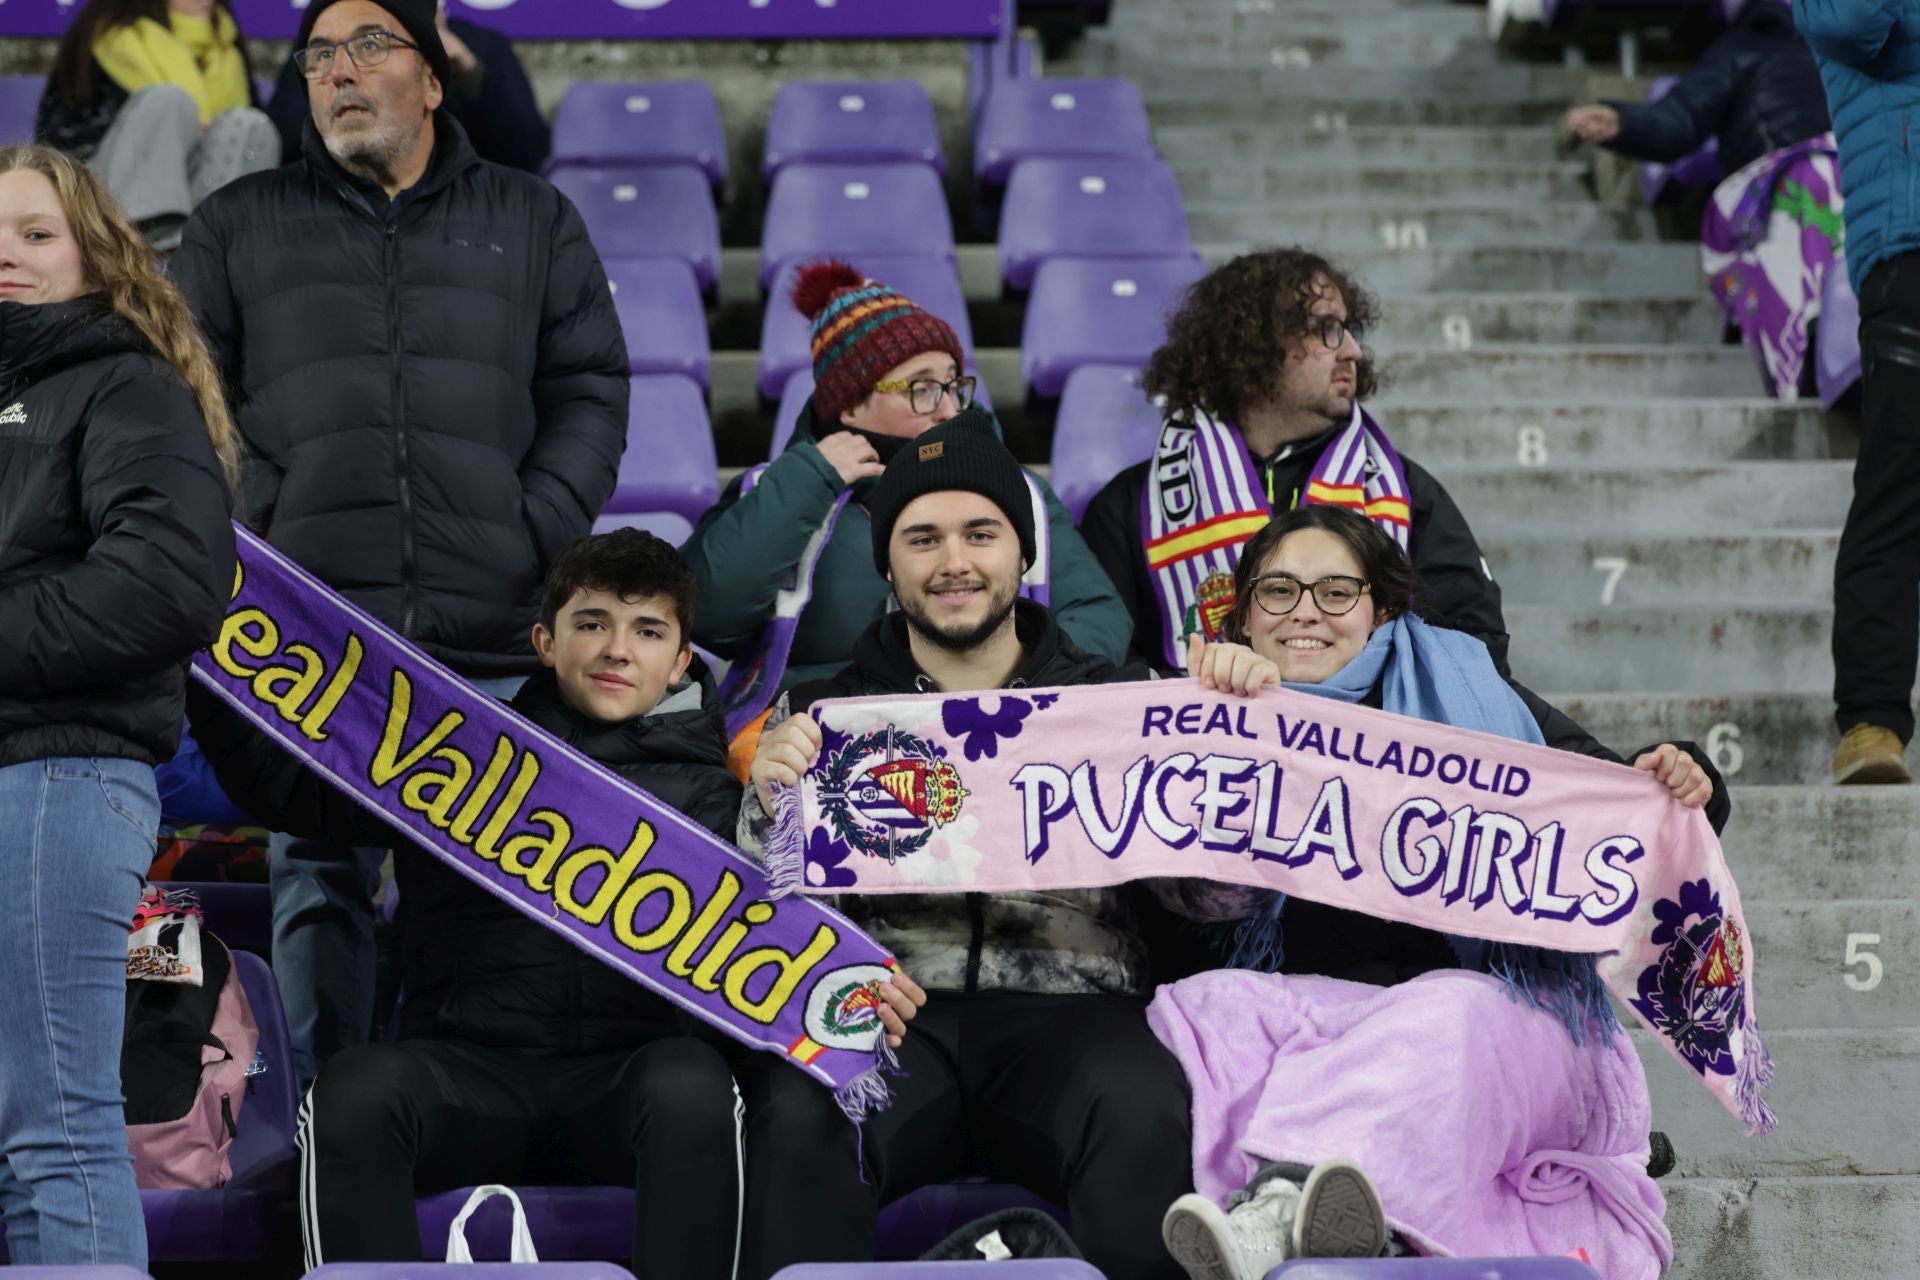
[[869, 1092], [1257, 942], [785, 858], [1754, 1074], [1564, 983]]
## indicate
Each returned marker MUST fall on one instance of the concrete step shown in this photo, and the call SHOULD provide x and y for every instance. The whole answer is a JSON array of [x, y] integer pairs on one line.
[[1344, 102], [1297, 184], [1662, 647], [1804, 979], [1307, 17], [1733, 497], [1425, 148], [1844, 1100], [1793, 1228], [1204, 46], [1377, 224], [1231, 92], [1759, 738], [1624, 571], [1600, 270], [1469, 321], [1822, 843], [1500, 373], [1624, 433]]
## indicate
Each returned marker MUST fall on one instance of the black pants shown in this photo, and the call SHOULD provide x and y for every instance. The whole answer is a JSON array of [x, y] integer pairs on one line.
[[1069, 1096], [1876, 579], [388, 1121]]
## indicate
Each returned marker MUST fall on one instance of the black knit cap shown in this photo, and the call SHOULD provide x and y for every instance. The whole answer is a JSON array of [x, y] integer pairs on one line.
[[963, 452], [415, 18]]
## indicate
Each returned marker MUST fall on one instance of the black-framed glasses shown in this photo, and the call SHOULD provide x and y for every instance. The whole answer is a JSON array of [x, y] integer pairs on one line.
[[1333, 331], [1281, 593], [925, 394], [367, 49]]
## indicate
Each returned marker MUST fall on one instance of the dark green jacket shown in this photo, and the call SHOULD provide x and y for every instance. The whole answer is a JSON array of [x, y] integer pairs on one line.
[[745, 549]]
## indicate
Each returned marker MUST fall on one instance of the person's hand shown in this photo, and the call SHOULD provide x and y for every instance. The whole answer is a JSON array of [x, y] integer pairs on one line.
[[458, 54], [901, 998], [1233, 668], [1680, 771], [784, 753], [1594, 123], [851, 456]]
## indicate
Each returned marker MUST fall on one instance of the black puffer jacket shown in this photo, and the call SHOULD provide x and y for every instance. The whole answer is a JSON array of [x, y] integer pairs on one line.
[[115, 549], [436, 391], [473, 968], [1756, 89]]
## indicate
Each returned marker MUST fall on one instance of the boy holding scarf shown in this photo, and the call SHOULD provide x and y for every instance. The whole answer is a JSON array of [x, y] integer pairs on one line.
[[1035, 1055], [519, 1056]]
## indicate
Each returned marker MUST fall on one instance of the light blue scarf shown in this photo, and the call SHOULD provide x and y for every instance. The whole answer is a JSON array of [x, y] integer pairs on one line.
[[1446, 677]]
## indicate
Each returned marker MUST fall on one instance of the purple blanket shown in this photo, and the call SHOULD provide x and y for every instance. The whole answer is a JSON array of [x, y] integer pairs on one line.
[[1486, 1129]]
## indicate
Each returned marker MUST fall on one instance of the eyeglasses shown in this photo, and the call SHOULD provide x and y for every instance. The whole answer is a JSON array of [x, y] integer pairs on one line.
[[367, 49], [1333, 331], [1280, 593], [925, 394]]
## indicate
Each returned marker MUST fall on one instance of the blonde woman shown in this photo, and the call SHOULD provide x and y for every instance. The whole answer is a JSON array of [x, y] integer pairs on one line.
[[116, 458], [158, 96]]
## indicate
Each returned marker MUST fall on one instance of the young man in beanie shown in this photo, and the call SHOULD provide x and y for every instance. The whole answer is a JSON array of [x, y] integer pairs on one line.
[[423, 355], [786, 608], [1032, 1053]]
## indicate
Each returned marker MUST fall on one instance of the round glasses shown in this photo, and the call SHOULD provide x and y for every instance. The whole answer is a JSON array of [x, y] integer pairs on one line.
[[925, 394], [1333, 331], [1281, 593], [365, 48]]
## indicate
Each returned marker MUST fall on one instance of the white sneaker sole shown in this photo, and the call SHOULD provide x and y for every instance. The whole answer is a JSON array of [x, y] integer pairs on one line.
[[1340, 1214], [1197, 1235]]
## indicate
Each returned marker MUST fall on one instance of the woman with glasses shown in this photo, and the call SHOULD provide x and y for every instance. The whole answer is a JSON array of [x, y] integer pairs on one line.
[[1404, 1081], [158, 96], [116, 561], [784, 560]]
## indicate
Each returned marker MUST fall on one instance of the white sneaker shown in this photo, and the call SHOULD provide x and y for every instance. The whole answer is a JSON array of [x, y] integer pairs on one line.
[[1242, 1244], [1340, 1215]]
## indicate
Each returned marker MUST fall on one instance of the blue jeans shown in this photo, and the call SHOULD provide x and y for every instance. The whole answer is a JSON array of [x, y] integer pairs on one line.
[[76, 839], [323, 952]]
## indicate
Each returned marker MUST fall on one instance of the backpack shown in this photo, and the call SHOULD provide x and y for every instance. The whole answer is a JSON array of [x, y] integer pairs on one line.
[[183, 1068]]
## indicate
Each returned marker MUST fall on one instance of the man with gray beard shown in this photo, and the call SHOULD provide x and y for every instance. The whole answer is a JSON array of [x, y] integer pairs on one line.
[[422, 353]]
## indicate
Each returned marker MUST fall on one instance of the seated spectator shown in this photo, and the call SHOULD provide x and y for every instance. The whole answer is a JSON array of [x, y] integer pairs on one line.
[[1756, 89], [1322, 603], [158, 96], [1033, 1057], [488, 93], [884, 372], [520, 1057]]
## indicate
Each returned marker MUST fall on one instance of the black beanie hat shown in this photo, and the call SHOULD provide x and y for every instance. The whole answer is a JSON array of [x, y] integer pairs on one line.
[[963, 452], [416, 17]]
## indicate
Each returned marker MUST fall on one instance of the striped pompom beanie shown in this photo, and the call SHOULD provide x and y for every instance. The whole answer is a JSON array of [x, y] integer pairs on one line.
[[861, 329]]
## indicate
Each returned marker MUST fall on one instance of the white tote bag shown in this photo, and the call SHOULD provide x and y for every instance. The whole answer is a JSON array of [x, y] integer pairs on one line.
[[522, 1247]]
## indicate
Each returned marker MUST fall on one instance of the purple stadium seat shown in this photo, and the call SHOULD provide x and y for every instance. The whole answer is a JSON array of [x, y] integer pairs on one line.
[[672, 527], [662, 315], [669, 463], [1700, 168], [800, 385], [1106, 425], [567, 1223], [1011, 1269], [852, 122], [473, 1271], [103, 1271], [1098, 311], [1837, 360], [786, 335], [601, 124], [1088, 207], [661, 211], [19, 104], [1024, 119], [842, 210], [1433, 1269]]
